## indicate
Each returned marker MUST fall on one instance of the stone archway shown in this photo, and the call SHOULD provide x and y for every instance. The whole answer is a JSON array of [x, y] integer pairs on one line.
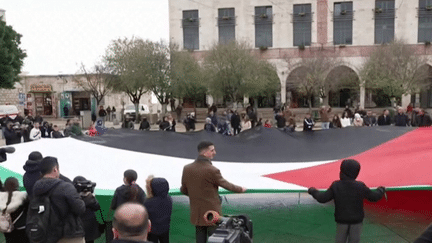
[[423, 98], [294, 97], [343, 86]]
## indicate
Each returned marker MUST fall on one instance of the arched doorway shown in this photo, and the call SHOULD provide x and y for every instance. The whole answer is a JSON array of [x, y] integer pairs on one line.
[[296, 95], [423, 98], [343, 86]]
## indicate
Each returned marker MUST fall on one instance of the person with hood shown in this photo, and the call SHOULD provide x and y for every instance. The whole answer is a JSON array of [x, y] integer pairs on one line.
[[15, 203], [65, 199], [33, 173], [159, 208], [91, 225], [348, 195]]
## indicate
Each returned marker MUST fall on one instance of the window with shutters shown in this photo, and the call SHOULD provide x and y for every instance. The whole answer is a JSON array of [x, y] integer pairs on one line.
[[343, 23], [425, 21], [384, 21], [226, 24], [190, 24], [302, 24], [263, 26]]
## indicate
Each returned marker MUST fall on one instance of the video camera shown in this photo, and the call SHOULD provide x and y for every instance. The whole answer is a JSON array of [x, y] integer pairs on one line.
[[231, 229], [85, 186]]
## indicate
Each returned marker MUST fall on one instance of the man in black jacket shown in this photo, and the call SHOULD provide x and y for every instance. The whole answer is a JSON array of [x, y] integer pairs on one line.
[[235, 123], [65, 199], [11, 134], [131, 224], [401, 119], [348, 195], [384, 119]]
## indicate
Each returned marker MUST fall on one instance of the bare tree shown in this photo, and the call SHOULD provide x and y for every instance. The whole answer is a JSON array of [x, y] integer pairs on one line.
[[396, 69], [310, 78], [98, 81]]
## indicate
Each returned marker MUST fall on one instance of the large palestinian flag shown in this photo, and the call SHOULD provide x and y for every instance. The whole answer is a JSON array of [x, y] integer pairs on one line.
[[263, 160]]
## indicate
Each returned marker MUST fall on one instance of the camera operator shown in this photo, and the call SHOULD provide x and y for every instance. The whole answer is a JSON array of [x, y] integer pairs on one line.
[[12, 133], [91, 227]]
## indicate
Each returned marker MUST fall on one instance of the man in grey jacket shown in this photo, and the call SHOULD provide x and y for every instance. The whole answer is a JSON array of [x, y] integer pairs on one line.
[[65, 200]]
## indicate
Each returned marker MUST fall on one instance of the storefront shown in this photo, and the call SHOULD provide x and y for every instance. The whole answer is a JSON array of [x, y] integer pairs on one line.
[[80, 102], [40, 100]]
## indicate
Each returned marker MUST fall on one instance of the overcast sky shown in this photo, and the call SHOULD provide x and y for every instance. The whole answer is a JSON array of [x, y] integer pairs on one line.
[[60, 34]]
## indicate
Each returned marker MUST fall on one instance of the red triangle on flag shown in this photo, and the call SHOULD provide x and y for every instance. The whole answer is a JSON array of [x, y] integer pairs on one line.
[[401, 162]]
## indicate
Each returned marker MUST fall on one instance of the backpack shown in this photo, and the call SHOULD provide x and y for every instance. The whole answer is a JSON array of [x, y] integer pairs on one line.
[[6, 223], [42, 218]]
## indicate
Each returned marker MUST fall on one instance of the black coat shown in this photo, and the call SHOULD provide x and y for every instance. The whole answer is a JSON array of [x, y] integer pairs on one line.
[[348, 195], [280, 121], [159, 207], [68, 203], [423, 120], [11, 136], [145, 125], [235, 120], [31, 175], [401, 120], [45, 132], [308, 124], [122, 195], [57, 134], [383, 121], [91, 225]]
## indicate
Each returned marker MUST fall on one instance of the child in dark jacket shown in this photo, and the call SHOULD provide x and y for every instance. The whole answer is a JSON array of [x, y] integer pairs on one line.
[[348, 195], [159, 208]]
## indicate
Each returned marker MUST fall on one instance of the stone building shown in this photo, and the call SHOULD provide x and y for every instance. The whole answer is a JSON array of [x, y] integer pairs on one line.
[[348, 30], [59, 96]]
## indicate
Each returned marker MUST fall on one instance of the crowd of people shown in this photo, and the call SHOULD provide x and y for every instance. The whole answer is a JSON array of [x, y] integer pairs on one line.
[[19, 130], [229, 122], [71, 213], [144, 215]]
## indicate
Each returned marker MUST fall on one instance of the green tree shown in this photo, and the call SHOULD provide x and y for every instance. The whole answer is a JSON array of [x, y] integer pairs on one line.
[[187, 77], [395, 69], [142, 66], [11, 56], [233, 72]]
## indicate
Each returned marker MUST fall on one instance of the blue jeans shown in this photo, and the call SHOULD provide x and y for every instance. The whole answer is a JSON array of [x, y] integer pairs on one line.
[[325, 125]]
